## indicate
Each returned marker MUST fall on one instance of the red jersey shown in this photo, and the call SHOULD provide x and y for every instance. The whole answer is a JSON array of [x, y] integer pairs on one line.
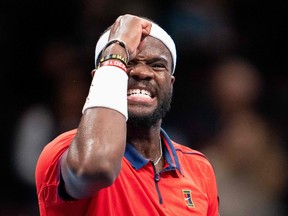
[[186, 185]]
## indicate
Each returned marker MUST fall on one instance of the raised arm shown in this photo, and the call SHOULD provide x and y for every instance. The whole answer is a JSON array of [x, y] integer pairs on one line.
[[93, 160]]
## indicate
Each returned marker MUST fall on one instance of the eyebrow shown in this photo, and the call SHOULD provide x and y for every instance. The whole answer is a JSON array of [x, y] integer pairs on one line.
[[152, 59], [158, 58]]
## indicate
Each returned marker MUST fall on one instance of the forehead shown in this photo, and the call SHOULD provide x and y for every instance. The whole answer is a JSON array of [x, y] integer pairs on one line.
[[153, 46]]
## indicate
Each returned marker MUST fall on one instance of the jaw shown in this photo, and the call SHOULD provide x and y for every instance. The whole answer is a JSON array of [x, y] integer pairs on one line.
[[141, 106]]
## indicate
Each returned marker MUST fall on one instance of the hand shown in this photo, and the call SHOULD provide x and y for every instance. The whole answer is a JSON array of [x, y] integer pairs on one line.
[[132, 30]]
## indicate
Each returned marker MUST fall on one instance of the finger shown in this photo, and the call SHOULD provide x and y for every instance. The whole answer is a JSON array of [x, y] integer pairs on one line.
[[146, 28]]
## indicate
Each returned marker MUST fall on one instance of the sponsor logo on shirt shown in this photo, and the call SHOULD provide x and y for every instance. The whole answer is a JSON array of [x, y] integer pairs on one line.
[[188, 198]]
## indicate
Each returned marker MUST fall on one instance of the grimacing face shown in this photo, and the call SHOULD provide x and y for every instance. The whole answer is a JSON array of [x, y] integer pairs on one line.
[[152, 118], [150, 84]]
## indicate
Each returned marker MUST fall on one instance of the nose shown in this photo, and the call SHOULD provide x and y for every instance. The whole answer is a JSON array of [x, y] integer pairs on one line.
[[140, 71]]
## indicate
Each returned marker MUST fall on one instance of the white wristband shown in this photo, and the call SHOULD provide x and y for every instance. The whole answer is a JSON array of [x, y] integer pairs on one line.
[[108, 89]]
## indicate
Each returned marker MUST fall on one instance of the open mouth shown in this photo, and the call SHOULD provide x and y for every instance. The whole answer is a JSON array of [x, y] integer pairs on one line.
[[139, 93]]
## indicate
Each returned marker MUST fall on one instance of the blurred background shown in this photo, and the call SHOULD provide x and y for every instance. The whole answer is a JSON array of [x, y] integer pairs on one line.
[[230, 96]]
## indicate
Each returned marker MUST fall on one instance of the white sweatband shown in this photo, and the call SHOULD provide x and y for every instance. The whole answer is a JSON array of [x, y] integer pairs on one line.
[[108, 89], [156, 32]]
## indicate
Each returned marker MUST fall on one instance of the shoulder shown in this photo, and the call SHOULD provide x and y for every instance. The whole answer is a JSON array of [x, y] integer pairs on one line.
[[51, 154], [60, 142], [185, 150], [192, 158]]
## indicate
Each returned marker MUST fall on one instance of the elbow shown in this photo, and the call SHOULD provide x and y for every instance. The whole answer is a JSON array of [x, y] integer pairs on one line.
[[104, 174], [87, 171], [101, 173], [84, 182]]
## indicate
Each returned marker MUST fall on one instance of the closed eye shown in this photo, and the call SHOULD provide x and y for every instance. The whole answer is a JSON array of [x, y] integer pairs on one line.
[[158, 63], [158, 66]]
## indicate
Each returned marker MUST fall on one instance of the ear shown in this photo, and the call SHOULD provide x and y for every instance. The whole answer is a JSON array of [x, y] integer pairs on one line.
[[172, 80]]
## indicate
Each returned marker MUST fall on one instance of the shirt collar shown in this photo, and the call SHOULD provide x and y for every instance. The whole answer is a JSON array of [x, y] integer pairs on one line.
[[138, 161]]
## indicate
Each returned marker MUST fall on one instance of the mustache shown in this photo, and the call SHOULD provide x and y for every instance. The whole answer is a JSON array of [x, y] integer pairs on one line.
[[132, 83]]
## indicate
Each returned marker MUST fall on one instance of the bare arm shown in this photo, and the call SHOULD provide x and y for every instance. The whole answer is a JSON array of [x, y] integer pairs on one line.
[[93, 160]]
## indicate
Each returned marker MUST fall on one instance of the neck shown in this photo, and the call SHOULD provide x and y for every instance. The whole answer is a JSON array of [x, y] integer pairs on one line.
[[156, 161], [146, 141]]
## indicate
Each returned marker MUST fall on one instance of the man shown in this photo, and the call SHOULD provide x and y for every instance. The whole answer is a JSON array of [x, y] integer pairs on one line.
[[120, 161]]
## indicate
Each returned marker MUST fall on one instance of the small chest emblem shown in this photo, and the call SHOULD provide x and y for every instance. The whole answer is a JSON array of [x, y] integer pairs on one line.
[[188, 198]]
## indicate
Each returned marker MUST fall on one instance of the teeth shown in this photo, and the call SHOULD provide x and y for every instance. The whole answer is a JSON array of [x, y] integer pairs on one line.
[[140, 92]]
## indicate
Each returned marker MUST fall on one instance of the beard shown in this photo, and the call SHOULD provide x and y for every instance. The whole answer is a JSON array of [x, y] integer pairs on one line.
[[151, 119]]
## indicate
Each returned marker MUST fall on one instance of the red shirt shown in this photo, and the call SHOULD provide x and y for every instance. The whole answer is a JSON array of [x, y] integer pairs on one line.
[[186, 185]]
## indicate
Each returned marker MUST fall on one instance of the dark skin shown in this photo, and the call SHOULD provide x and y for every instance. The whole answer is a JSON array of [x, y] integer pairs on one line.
[[93, 160]]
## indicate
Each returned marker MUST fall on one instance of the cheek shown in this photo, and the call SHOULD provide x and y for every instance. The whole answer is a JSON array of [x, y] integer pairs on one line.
[[165, 84], [171, 81], [166, 90]]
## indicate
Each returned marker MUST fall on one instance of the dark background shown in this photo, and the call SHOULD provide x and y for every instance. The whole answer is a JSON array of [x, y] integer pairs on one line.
[[255, 30]]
